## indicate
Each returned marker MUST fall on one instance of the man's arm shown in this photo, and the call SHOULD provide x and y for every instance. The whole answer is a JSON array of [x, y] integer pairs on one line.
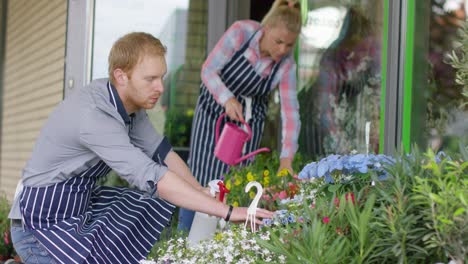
[[176, 190], [178, 166]]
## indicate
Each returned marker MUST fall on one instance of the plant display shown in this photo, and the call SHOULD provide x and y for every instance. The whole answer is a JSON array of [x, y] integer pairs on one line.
[[277, 185], [352, 209], [235, 245], [418, 213]]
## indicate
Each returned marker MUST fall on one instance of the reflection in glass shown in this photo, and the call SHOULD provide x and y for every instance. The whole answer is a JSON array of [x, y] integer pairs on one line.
[[339, 77], [447, 119]]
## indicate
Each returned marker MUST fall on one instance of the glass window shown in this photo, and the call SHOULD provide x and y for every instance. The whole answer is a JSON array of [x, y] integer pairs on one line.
[[181, 25], [339, 84], [446, 111]]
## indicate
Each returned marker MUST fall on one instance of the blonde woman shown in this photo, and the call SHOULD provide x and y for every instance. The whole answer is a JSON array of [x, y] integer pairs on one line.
[[248, 62]]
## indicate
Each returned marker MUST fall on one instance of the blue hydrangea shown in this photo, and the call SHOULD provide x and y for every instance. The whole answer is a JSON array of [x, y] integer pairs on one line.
[[346, 164]]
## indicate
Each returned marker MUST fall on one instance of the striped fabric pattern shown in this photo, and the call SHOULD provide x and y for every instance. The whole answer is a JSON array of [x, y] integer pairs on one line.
[[80, 223], [243, 81]]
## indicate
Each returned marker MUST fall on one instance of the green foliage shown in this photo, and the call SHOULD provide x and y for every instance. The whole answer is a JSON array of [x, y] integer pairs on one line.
[[334, 232], [421, 213], [418, 214], [400, 224], [178, 127], [444, 199], [6, 245]]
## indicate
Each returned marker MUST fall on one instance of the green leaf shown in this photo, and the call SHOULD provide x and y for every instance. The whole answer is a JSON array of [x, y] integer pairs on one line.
[[436, 198], [445, 220], [459, 211], [334, 187]]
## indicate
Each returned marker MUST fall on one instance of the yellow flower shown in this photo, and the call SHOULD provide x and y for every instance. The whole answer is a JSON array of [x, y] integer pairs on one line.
[[190, 112], [283, 172], [250, 177], [266, 173], [252, 194], [266, 181], [228, 184], [235, 204], [219, 236], [237, 181]]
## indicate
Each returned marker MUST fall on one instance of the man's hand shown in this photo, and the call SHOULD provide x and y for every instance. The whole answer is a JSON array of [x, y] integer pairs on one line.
[[234, 109]]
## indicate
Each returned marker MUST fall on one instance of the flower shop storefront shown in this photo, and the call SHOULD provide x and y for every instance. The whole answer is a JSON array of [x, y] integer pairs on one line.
[[373, 76], [381, 171]]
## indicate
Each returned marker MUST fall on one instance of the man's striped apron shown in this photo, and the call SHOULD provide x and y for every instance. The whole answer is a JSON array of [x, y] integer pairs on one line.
[[244, 82], [80, 222]]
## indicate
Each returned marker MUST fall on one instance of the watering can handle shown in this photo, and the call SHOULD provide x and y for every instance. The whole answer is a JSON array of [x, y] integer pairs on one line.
[[218, 124]]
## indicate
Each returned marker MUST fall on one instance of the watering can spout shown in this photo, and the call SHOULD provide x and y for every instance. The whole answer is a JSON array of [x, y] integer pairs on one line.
[[253, 153]]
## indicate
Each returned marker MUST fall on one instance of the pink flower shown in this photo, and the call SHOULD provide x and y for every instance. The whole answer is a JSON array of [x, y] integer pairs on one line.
[[6, 238], [326, 220], [350, 196], [283, 195], [336, 202]]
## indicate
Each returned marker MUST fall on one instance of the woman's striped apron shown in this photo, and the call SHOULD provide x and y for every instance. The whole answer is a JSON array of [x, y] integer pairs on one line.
[[80, 222], [244, 82]]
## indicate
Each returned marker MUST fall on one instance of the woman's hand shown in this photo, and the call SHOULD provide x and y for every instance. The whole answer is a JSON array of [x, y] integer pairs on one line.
[[234, 109], [286, 163]]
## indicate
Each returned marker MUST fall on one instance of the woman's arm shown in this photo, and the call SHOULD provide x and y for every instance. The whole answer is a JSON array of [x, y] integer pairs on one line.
[[289, 114]]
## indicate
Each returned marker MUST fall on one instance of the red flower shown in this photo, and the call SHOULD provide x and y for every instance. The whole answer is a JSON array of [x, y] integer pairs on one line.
[[293, 188], [326, 220]]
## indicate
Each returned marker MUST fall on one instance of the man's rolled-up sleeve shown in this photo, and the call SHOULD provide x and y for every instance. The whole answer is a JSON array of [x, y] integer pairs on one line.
[[108, 138]]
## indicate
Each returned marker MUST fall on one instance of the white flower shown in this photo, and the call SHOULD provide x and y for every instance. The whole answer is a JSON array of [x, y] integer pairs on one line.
[[265, 236]]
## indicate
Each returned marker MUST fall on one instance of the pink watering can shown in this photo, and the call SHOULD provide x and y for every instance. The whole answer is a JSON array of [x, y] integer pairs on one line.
[[229, 146]]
